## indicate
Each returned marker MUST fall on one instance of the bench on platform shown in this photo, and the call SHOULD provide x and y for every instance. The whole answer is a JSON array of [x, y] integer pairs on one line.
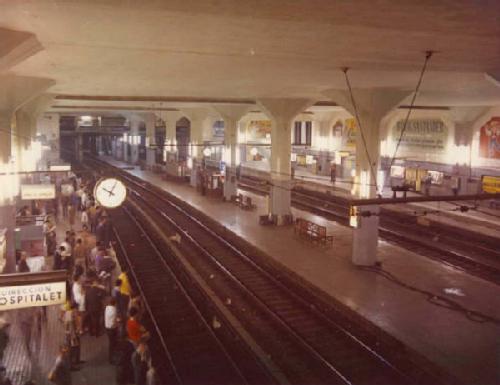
[[404, 189], [312, 231], [244, 202]]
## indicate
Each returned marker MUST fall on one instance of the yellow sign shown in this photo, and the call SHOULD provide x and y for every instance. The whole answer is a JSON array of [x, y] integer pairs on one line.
[[17, 297], [38, 191], [491, 184]]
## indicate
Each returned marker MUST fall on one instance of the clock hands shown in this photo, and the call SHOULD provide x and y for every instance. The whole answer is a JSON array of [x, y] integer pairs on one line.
[[112, 189], [110, 192]]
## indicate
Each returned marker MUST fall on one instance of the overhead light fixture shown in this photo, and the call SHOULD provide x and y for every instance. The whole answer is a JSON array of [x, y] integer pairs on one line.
[[207, 151], [86, 118]]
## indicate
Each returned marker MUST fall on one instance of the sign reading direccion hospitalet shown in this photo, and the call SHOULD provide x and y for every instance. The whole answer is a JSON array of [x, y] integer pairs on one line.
[[16, 297]]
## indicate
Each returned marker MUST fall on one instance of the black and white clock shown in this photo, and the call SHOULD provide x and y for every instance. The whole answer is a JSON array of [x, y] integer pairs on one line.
[[110, 192]]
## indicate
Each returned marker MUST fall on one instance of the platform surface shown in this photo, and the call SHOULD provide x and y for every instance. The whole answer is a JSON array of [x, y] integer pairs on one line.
[[463, 347], [34, 359]]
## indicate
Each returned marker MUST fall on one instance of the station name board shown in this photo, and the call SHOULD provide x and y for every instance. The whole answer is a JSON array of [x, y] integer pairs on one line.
[[60, 167], [17, 297], [38, 191]]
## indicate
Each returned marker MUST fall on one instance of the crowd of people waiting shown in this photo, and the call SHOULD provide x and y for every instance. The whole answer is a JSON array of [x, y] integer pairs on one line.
[[96, 302]]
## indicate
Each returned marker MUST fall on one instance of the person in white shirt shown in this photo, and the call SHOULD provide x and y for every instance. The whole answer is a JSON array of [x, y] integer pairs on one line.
[[79, 298], [111, 325]]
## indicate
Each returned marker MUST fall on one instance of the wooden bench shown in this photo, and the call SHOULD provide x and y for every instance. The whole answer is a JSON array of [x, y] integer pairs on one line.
[[244, 202], [312, 232]]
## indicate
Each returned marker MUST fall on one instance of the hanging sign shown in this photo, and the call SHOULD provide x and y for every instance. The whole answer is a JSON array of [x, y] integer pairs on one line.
[[60, 167], [397, 171], [17, 297], [38, 191], [32, 289]]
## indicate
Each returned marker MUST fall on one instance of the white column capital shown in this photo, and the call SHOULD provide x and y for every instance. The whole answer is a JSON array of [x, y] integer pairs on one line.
[[231, 112], [283, 109], [20, 45], [18, 90], [374, 103]]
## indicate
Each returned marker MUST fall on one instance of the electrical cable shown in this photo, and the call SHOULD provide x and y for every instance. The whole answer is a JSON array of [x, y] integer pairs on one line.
[[435, 299], [428, 55], [353, 102]]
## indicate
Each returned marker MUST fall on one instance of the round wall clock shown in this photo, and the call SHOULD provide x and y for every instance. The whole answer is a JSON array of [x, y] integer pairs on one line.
[[110, 192]]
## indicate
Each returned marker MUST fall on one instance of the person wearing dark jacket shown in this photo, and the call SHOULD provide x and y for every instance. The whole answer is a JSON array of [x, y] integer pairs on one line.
[[93, 305], [124, 369]]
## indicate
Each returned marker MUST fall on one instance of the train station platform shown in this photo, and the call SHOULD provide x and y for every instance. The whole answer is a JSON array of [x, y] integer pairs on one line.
[[35, 338], [482, 219], [400, 299]]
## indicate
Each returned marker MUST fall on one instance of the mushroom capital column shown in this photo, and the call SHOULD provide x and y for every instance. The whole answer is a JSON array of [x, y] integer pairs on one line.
[[282, 112], [231, 115], [372, 105]]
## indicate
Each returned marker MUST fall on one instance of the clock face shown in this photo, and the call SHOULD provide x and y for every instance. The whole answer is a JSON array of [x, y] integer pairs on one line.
[[110, 192]]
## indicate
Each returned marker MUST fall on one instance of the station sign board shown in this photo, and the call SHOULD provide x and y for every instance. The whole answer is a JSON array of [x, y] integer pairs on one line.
[[429, 135], [491, 184], [397, 171], [38, 191], [19, 291], [60, 167]]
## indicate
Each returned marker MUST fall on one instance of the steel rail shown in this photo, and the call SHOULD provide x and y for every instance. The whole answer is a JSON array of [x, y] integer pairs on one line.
[[269, 276], [146, 302], [185, 293]]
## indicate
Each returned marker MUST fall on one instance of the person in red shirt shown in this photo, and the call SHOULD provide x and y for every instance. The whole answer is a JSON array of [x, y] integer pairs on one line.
[[135, 331]]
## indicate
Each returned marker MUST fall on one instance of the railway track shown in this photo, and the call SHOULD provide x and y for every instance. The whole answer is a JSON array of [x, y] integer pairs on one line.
[[308, 344], [477, 255], [186, 350]]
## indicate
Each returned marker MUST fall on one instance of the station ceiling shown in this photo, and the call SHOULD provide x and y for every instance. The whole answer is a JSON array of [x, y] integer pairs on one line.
[[227, 50]]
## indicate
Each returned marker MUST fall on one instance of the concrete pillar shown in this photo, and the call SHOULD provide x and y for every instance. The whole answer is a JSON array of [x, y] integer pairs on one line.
[[282, 113], [79, 148], [150, 122], [171, 119], [197, 117], [16, 91], [231, 115], [27, 118], [135, 123], [372, 105]]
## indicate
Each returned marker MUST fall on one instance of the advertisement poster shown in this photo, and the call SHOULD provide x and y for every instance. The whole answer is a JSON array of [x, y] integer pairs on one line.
[[429, 135], [258, 130], [349, 134], [218, 129], [491, 184], [489, 143]]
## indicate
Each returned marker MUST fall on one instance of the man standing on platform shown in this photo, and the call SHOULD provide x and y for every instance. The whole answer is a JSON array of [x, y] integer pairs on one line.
[[93, 305], [111, 325], [333, 172]]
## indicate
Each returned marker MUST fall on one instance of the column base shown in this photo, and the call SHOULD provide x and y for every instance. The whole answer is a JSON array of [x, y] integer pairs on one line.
[[280, 202], [150, 157], [193, 181], [365, 239], [230, 183]]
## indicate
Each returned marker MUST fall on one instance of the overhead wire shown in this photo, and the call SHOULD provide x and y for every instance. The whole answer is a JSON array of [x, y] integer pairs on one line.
[[356, 113], [428, 56]]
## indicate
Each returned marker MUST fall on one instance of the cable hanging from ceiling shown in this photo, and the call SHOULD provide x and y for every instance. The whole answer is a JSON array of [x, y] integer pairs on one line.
[[356, 113], [428, 55]]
